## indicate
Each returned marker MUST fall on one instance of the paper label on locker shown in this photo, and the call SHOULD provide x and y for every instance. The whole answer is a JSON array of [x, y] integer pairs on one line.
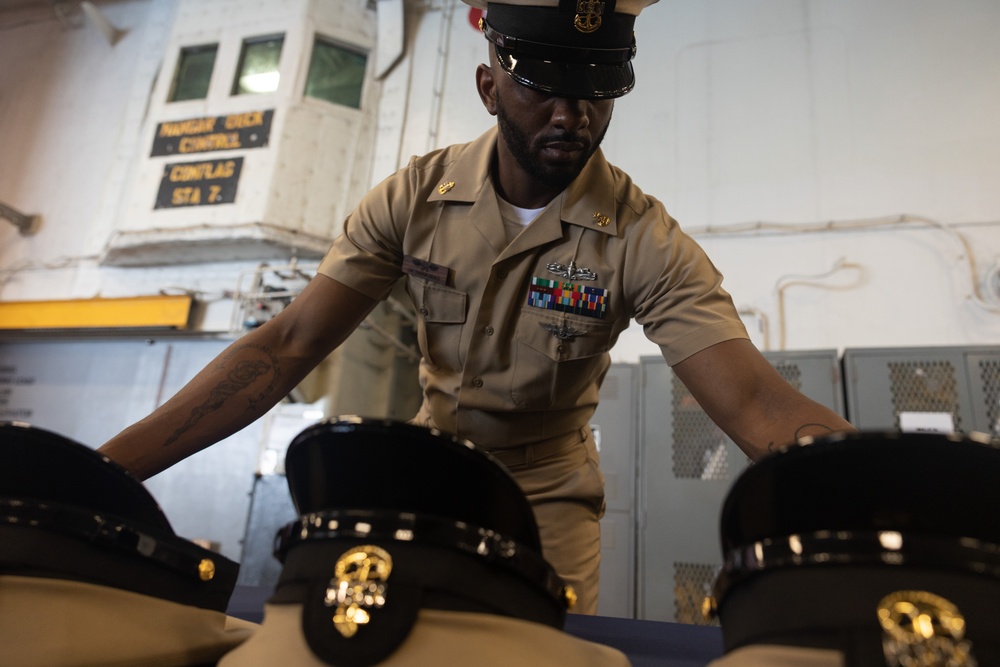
[[926, 422]]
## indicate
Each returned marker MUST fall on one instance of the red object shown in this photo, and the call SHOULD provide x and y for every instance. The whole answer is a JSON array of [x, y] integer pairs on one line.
[[474, 16]]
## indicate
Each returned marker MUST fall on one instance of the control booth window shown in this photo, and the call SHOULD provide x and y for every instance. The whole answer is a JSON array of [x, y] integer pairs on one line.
[[194, 72], [258, 68], [336, 74]]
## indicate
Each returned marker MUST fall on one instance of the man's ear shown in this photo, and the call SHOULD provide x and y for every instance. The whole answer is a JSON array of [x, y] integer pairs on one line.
[[487, 87]]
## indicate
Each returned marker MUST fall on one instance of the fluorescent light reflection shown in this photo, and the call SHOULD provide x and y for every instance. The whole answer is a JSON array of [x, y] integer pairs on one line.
[[262, 82]]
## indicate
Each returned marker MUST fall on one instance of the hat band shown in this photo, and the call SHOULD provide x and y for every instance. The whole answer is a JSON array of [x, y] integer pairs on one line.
[[108, 532], [190, 574], [386, 526], [550, 52], [857, 548]]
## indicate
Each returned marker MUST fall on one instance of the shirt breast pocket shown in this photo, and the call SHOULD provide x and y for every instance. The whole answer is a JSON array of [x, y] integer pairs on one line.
[[557, 359], [441, 312]]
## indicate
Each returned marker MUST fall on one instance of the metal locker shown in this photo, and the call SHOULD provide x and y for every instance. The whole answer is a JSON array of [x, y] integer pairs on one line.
[[943, 388], [686, 466], [984, 379], [614, 426]]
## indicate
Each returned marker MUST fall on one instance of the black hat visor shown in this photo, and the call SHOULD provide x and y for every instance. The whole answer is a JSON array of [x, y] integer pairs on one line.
[[567, 70], [564, 79]]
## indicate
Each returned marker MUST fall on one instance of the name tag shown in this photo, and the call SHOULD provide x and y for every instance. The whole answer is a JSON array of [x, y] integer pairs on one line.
[[419, 268]]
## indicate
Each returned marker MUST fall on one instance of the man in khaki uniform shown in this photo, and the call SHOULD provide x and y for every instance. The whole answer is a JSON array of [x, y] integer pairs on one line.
[[526, 254]]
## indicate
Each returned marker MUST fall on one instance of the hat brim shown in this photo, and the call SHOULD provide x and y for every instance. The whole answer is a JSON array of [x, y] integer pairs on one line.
[[573, 80], [69, 512], [49, 467], [380, 464]]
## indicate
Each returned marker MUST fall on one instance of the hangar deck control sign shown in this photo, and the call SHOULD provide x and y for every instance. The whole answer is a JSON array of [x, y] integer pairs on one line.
[[250, 129], [206, 182]]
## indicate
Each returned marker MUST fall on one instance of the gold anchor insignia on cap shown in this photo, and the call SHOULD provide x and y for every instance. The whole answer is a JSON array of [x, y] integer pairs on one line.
[[921, 628], [445, 187], [358, 587], [601, 219], [588, 15]]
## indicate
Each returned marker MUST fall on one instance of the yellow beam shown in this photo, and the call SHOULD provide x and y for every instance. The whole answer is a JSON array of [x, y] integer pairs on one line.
[[131, 312]]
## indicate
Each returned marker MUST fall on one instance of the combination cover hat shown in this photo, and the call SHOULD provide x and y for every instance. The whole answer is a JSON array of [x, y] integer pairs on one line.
[[91, 571], [870, 549], [413, 547], [581, 49]]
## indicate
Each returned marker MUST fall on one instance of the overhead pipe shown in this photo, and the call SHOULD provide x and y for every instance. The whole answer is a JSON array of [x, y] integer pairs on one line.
[[26, 224]]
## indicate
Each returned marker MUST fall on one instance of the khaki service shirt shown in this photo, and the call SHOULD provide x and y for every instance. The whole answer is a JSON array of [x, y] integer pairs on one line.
[[508, 359]]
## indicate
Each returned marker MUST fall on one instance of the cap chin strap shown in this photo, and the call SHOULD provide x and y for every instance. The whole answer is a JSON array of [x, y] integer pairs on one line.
[[382, 526]]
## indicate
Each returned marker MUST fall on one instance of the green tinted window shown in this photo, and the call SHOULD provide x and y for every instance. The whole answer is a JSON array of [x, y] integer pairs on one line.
[[258, 68], [336, 74], [194, 71]]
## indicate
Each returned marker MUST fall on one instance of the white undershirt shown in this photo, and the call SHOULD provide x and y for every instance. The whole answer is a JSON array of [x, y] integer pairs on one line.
[[516, 218]]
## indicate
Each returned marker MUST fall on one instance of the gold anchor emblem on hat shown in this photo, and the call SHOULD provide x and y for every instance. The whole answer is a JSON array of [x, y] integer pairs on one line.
[[588, 15], [358, 587], [921, 628]]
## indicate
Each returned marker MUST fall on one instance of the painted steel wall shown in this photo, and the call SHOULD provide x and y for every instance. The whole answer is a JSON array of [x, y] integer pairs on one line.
[[782, 111]]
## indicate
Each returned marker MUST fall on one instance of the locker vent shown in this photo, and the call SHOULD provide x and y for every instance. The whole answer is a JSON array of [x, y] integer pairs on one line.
[[990, 374], [692, 584], [791, 372], [924, 386], [699, 450]]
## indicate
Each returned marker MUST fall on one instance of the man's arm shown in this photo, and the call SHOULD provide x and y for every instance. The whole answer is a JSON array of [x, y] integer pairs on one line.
[[750, 401], [244, 381]]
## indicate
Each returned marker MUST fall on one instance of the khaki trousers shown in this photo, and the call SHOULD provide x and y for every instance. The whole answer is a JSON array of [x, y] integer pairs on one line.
[[566, 490]]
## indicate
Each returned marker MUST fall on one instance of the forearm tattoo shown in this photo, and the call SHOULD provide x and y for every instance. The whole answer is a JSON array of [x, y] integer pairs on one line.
[[237, 380]]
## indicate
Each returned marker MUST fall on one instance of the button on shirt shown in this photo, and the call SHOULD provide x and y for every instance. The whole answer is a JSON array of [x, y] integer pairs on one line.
[[515, 341]]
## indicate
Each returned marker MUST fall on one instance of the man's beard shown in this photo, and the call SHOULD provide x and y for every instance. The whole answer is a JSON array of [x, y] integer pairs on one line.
[[520, 146]]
